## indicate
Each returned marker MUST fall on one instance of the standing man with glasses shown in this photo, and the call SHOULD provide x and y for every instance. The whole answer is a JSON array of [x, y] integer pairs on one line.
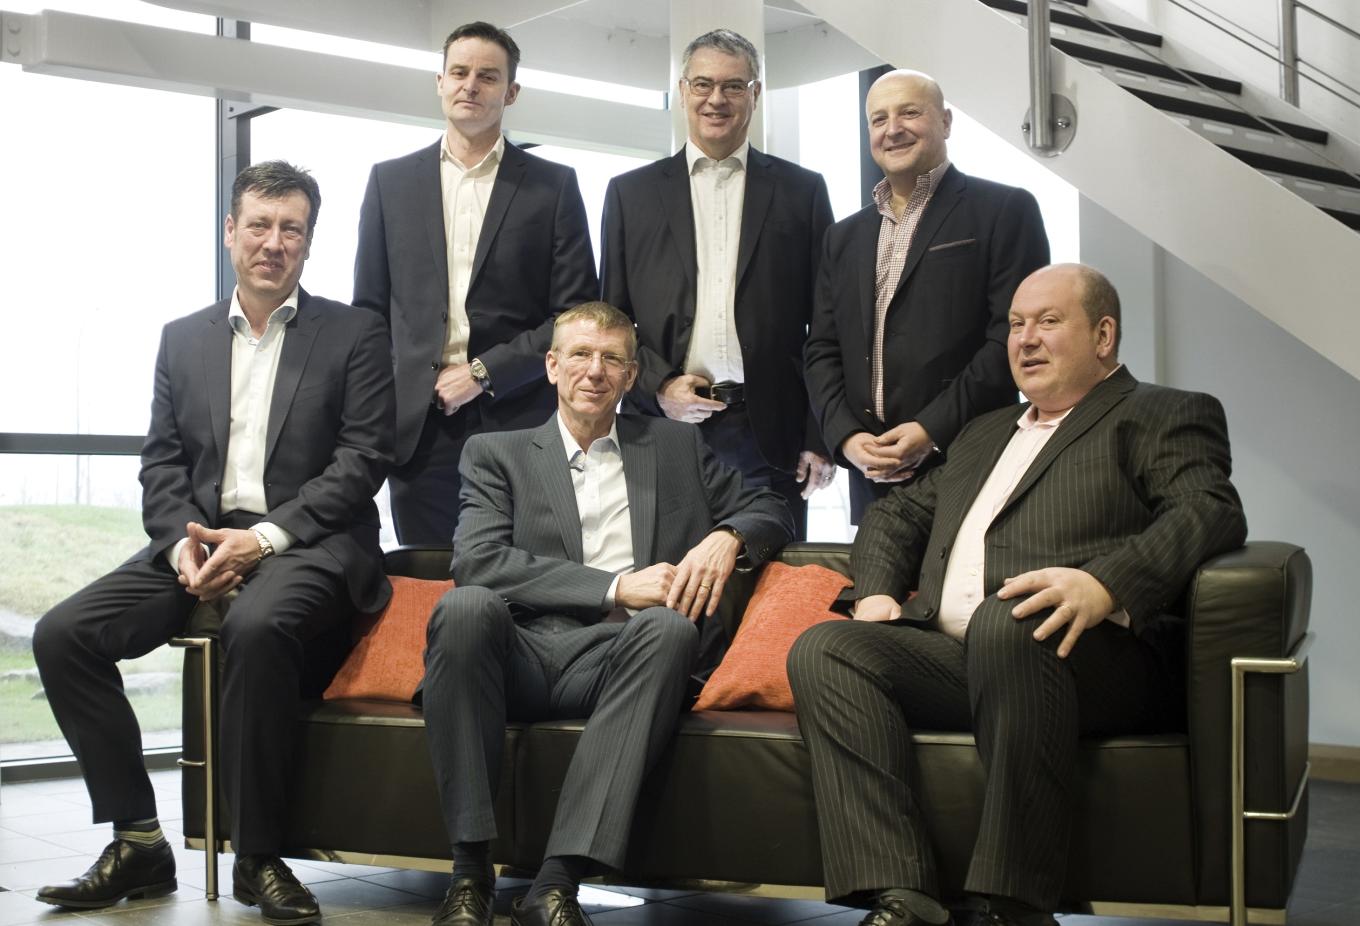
[[713, 252], [468, 248], [586, 548]]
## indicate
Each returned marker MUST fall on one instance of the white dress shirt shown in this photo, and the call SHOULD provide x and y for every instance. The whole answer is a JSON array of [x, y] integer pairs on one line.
[[254, 368], [602, 503], [716, 190], [466, 191]]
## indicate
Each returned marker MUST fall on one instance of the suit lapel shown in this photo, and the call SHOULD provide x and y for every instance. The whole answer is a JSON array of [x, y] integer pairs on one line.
[[639, 472], [550, 464], [508, 177], [942, 202], [865, 247], [1087, 413], [297, 345], [675, 205], [429, 204], [217, 375], [755, 205]]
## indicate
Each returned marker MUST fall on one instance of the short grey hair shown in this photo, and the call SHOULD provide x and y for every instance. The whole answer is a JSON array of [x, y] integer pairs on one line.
[[727, 42]]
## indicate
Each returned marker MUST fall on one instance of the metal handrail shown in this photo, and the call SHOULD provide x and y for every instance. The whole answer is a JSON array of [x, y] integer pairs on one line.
[[1262, 123], [1040, 78], [1271, 49]]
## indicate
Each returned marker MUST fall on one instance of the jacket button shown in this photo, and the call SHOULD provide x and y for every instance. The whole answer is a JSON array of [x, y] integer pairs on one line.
[[444, 317], [943, 552], [435, 365], [928, 613]]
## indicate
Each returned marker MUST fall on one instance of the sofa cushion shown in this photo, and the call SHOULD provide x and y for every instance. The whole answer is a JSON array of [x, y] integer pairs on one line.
[[387, 662], [787, 600]]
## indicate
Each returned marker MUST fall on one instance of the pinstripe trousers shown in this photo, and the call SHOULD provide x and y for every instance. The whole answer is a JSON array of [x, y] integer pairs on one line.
[[482, 669], [861, 688]]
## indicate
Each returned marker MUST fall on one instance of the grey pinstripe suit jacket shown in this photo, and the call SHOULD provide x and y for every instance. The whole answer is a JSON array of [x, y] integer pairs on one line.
[[519, 532], [1132, 488]]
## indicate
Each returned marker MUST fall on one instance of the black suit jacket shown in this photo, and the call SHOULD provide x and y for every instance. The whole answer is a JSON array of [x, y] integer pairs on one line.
[[1132, 487], [533, 260], [944, 345], [519, 530], [650, 271], [329, 439]]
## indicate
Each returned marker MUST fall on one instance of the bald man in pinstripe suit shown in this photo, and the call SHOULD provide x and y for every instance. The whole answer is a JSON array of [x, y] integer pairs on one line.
[[1046, 553]]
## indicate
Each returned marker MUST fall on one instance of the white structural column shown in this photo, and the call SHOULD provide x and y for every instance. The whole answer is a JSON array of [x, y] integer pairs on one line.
[[691, 18], [1134, 265]]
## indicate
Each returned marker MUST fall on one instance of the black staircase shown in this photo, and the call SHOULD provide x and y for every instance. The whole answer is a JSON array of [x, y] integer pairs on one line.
[[1088, 41]]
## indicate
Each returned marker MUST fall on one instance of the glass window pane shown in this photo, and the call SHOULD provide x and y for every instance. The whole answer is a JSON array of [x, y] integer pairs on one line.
[[64, 522], [101, 243]]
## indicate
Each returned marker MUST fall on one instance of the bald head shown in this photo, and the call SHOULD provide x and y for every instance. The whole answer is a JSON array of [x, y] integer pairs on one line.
[[916, 81], [908, 125]]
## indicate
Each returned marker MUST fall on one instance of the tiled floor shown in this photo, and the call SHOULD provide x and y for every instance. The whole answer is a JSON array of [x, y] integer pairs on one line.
[[45, 836]]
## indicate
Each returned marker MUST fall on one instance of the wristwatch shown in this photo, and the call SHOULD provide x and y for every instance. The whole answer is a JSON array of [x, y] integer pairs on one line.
[[479, 373], [266, 545]]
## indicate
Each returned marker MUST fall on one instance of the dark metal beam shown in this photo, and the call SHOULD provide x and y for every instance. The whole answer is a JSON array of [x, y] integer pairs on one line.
[[127, 445]]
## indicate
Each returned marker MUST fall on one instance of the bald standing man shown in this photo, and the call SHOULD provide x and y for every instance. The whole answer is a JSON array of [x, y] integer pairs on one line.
[[908, 335]]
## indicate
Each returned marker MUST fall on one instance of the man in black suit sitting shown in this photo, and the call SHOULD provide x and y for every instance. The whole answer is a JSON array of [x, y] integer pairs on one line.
[[1045, 552]]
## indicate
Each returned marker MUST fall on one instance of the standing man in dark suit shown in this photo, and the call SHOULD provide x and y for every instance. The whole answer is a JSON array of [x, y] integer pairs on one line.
[[713, 252], [468, 248], [1045, 551], [909, 332], [271, 429], [585, 550]]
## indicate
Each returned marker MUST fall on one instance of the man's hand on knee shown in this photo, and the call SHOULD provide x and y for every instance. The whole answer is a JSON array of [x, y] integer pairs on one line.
[[877, 608], [1078, 599], [701, 575], [646, 588]]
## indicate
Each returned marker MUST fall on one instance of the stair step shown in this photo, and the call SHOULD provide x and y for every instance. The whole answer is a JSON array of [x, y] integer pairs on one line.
[[1345, 218], [1076, 21], [1294, 168], [1144, 66], [1227, 115]]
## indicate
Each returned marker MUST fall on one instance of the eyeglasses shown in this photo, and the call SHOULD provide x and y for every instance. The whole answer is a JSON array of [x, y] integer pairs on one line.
[[580, 359], [703, 86]]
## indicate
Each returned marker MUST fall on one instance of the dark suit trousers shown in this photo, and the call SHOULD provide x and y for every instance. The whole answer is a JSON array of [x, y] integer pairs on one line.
[[482, 669], [729, 435], [861, 688], [424, 490], [287, 601]]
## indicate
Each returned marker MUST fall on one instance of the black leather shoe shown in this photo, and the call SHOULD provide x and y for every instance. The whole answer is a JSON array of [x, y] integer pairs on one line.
[[555, 909], [123, 870], [266, 881], [467, 903], [891, 909]]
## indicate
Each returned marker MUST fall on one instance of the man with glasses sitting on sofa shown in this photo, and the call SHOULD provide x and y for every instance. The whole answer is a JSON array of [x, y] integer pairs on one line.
[[585, 550]]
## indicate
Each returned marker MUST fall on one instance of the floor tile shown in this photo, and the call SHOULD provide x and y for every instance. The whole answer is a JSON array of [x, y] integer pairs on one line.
[[769, 910], [662, 914], [18, 907], [350, 895], [421, 883], [62, 818], [15, 848]]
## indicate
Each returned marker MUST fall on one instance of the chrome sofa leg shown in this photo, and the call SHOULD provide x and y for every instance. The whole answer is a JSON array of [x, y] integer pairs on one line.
[[1241, 666]]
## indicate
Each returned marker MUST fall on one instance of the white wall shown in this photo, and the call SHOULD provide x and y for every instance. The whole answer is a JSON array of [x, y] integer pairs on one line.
[[1294, 421]]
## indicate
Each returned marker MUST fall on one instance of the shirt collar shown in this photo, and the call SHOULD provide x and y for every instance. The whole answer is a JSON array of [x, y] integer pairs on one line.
[[930, 179], [492, 159], [236, 316], [569, 443], [1030, 419], [694, 155]]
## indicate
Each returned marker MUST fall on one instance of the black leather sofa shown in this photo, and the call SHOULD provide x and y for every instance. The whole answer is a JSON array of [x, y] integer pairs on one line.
[[732, 799]]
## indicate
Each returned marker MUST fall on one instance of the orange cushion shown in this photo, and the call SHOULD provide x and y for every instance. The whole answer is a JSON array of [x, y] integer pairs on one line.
[[388, 661], [787, 600]]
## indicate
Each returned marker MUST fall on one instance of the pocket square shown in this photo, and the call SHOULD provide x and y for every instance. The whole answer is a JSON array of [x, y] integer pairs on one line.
[[951, 244]]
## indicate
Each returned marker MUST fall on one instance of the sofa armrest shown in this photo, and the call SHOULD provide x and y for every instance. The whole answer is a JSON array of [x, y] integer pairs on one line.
[[1250, 602]]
